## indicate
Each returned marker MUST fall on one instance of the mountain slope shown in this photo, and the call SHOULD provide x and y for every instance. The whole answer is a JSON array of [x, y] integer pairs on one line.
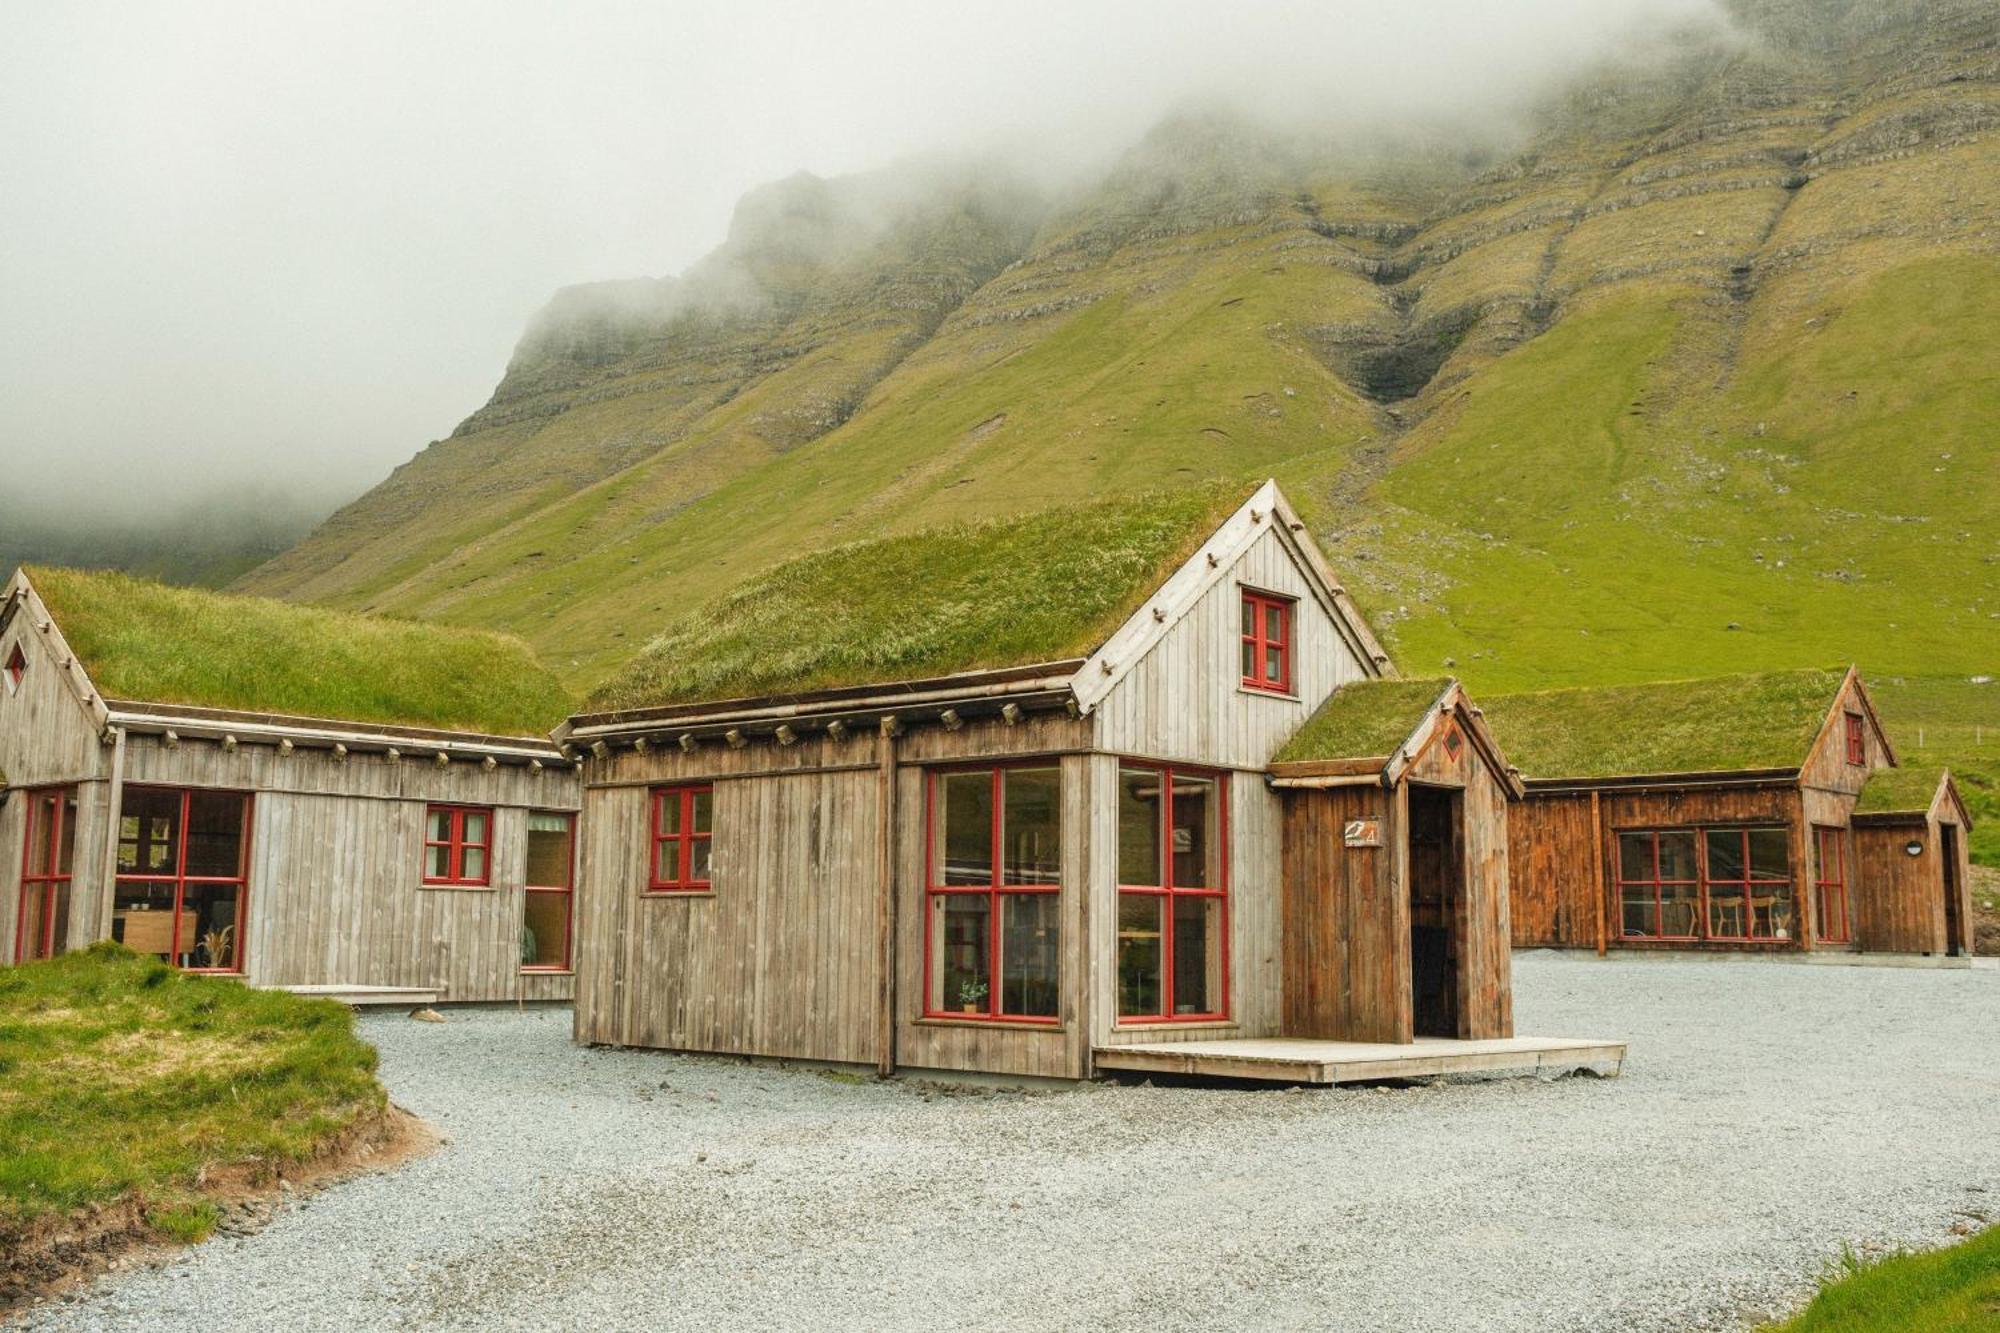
[[1698, 379]]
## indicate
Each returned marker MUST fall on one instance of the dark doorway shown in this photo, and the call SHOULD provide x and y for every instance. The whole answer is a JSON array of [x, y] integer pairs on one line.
[[1954, 925], [1437, 898]]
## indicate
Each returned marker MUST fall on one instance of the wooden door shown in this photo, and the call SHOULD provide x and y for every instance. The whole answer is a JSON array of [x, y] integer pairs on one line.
[[1954, 938], [1437, 895]]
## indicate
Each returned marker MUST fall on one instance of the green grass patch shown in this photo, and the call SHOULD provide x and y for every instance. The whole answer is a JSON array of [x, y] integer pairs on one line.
[[954, 598], [1952, 1290], [121, 1077], [146, 641], [1364, 719], [1950, 722]]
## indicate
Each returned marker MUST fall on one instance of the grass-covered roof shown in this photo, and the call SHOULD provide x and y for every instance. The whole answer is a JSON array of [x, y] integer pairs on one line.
[[1762, 721], [967, 596], [1899, 791], [1364, 719], [147, 641]]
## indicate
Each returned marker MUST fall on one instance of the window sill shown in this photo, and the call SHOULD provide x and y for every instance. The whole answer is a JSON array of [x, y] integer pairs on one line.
[[669, 895], [548, 971], [455, 888], [1177, 1025], [1282, 696], [987, 1021]]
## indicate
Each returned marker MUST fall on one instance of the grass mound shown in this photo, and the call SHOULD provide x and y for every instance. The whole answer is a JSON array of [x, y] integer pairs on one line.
[[122, 1079], [1953, 1290], [146, 641], [1365, 719]]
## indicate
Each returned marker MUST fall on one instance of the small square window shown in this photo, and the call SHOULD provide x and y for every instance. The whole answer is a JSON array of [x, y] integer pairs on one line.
[[1857, 739], [1267, 642], [457, 843], [683, 832], [17, 667]]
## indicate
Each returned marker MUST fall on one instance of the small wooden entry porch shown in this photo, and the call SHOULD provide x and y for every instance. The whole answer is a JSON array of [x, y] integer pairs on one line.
[[1307, 1060]]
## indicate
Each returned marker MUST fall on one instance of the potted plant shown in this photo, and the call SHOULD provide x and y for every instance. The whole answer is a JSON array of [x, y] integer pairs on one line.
[[972, 996]]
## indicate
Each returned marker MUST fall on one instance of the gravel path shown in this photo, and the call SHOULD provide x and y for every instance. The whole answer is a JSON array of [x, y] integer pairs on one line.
[[1769, 1113]]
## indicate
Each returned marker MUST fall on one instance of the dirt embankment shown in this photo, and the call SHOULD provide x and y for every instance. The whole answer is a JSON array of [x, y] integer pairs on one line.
[[53, 1255]]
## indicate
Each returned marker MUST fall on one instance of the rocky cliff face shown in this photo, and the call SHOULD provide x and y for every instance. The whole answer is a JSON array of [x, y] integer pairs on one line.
[[1725, 301]]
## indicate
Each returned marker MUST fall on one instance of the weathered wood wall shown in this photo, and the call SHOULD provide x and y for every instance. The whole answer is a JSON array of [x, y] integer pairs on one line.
[[1183, 700], [1346, 912], [1554, 871], [1484, 943], [1900, 907], [1826, 767]]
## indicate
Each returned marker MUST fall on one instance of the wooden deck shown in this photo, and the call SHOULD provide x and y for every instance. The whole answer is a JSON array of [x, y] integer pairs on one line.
[[1300, 1060], [363, 996]]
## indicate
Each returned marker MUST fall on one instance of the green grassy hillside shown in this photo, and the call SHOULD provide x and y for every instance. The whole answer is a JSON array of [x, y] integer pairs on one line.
[[1695, 380]]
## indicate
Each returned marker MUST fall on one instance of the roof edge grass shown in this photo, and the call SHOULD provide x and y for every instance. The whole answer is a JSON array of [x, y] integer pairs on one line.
[[1907, 791], [970, 596], [1365, 719], [151, 643]]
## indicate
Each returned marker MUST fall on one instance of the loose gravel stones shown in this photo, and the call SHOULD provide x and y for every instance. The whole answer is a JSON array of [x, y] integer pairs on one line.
[[1770, 1113]]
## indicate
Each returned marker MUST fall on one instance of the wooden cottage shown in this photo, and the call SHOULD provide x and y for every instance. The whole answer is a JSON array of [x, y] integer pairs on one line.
[[996, 798], [292, 795], [1727, 814]]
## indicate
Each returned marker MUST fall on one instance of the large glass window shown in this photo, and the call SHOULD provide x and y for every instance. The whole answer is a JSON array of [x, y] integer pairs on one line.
[[180, 886], [1173, 908], [1830, 883], [545, 912], [1703, 883], [458, 846], [48, 854], [993, 911], [683, 832]]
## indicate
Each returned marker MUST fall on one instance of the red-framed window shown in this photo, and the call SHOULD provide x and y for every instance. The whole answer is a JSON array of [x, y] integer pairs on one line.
[[181, 891], [1706, 884], [1173, 894], [1830, 884], [48, 853], [458, 846], [551, 882], [17, 668], [1267, 642], [993, 893], [683, 831], [1857, 739]]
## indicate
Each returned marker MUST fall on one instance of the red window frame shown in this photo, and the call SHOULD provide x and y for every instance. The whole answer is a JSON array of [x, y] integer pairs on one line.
[[1257, 639], [995, 892], [682, 880], [1170, 891], [48, 879], [1704, 885], [17, 668], [456, 844], [1857, 740], [1830, 890], [181, 880], [568, 892]]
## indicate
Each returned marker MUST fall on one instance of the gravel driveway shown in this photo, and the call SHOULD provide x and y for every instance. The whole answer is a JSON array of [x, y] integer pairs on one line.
[[1769, 1113]]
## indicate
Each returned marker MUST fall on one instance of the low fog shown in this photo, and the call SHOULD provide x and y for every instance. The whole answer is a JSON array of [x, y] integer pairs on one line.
[[273, 248]]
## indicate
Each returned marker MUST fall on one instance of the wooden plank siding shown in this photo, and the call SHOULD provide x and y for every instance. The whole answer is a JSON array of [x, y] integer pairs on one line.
[[1484, 941], [1554, 871], [1346, 913]]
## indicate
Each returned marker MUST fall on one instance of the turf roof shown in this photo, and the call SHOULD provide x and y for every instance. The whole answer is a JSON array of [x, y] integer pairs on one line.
[[1040, 588], [147, 641], [1763, 721], [1364, 719], [1899, 791]]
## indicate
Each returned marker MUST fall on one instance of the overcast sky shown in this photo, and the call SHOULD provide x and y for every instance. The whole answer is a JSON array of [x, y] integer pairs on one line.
[[296, 241]]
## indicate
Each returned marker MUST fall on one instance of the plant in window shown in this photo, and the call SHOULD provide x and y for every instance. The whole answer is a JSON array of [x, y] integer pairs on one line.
[[972, 996]]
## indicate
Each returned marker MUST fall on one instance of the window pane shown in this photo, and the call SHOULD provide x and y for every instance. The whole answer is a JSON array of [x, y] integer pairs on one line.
[[475, 826], [704, 810], [1680, 910], [1249, 617], [1770, 853], [1635, 858], [58, 919], [698, 860], [1197, 955], [667, 860], [545, 930], [210, 926], [1725, 854], [1726, 918], [960, 942], [1274, 623], [34, 921], [965, 839], [41, 834], [1030, 939], [1273, 669], [549, 851], [1141, 989], [1771, 911], [66, 845], [1031, 834], [1636, 912], [437, 862], [1677, 856], [215, 834], [1139, 827], [440, 827], [1249, 659], [153, 818], [1197, 849], [142, 918], [473, 866], [670, 811]]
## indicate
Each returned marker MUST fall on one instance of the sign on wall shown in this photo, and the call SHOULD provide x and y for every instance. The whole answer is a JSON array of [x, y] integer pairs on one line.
[[1363, 833]]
